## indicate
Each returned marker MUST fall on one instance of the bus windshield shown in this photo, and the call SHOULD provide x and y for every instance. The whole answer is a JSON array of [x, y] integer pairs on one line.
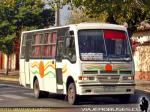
[[103, 44]]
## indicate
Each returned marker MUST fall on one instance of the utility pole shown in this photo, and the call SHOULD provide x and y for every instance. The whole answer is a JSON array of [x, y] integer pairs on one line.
[[57, 17], [56, 7]]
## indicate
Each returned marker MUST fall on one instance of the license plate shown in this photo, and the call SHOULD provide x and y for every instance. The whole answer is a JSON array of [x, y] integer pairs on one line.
[[109, 88]]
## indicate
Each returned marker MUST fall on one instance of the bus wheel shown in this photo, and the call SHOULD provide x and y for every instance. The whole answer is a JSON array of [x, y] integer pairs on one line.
[[71, 94], [36, 88]]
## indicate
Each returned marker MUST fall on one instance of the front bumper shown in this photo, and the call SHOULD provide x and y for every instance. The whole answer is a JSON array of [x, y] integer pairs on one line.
[[105, 89]]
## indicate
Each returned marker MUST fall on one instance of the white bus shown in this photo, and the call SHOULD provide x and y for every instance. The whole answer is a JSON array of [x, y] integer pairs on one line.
[[75, 60]]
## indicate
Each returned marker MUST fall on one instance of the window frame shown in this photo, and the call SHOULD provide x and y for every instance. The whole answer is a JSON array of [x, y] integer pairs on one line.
[[127, 39]]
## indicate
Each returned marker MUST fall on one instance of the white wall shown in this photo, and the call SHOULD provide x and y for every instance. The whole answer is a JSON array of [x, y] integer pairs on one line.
[[12, 60]]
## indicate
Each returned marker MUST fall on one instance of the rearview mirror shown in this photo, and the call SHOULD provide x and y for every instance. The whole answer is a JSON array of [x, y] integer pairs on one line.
[[71, 33]]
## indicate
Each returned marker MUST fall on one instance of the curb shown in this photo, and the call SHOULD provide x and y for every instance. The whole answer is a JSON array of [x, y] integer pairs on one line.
[[143, 89], [9, 79]]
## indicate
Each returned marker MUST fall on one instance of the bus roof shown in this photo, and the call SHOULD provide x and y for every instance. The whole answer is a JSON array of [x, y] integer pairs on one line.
[[84, 26], [100, 26]]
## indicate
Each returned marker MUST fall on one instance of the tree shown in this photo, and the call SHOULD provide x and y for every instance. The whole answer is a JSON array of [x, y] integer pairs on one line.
[[19, 15], [132, 12], [6, 47], [78, 16], [6, 30]]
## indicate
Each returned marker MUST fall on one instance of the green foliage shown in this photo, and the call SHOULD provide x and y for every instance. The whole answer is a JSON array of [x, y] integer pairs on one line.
[[45, 18], [29, 13], [19, 15], [7, 44], [132, 12]]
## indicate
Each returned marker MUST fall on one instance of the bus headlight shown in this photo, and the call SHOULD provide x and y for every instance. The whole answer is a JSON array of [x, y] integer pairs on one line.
[[128, 77]]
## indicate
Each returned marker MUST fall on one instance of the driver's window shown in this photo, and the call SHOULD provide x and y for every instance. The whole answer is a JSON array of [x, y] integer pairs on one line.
[[70, 48]]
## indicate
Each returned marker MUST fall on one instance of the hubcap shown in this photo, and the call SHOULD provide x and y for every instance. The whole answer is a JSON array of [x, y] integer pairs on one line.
[[71, 94], [36, 89]]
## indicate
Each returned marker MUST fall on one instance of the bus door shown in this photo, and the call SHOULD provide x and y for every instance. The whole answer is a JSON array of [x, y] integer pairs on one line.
[[27, 58], [59, 77], [61, 37]]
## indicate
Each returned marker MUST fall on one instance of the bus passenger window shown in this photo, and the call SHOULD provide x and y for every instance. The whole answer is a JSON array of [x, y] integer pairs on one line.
[[47, 47], [54, 36], [36, 45], [23, 46], [49, 44]]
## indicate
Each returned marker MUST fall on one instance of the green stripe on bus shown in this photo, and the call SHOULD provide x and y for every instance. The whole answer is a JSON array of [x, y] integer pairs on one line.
[[35, 72], [49, 72]]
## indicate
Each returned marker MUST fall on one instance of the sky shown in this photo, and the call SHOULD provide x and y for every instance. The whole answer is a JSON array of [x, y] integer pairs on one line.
[[64, 13]]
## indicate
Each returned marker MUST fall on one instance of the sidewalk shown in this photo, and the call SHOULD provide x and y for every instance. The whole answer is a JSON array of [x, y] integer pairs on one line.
[[12, 76], [143, 85]]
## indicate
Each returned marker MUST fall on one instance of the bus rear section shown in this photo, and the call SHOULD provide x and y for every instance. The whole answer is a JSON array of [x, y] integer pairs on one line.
[[107, 66]]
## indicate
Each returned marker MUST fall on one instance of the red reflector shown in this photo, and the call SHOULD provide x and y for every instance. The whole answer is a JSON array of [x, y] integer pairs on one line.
[[114, 34]]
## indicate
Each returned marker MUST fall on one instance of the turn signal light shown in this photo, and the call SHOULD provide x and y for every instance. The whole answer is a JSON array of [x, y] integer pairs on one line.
[[128, 78], [86, 78]]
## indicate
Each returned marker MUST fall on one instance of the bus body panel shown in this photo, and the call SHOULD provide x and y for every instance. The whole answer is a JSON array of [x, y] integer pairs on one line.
[[69, 70], [44, 69], [22, 75], [27, 72]]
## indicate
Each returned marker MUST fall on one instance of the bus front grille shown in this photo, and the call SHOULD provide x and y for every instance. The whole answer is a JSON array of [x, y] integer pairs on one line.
[[126, 72], [90, 72], [108, 78], [108, 72]]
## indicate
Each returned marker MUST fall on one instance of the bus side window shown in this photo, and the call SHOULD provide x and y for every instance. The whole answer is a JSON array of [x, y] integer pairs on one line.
[[36, 45], [70, 48], [53, 46], [47, 47], [23, 46]]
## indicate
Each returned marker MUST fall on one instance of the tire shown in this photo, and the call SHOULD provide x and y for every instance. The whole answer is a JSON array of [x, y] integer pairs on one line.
[[72, 97], [37, 92], [124, 98], [44, 94]]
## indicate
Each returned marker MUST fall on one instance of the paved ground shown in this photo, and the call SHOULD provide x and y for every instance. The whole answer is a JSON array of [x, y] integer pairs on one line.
[[12, 76], [13, 95]]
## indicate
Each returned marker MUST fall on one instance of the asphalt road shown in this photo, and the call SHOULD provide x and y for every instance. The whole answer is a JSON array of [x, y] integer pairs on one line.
[[14, 95]]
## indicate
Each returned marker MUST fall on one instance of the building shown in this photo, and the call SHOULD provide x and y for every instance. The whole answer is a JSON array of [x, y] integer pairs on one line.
[[141, 49]]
